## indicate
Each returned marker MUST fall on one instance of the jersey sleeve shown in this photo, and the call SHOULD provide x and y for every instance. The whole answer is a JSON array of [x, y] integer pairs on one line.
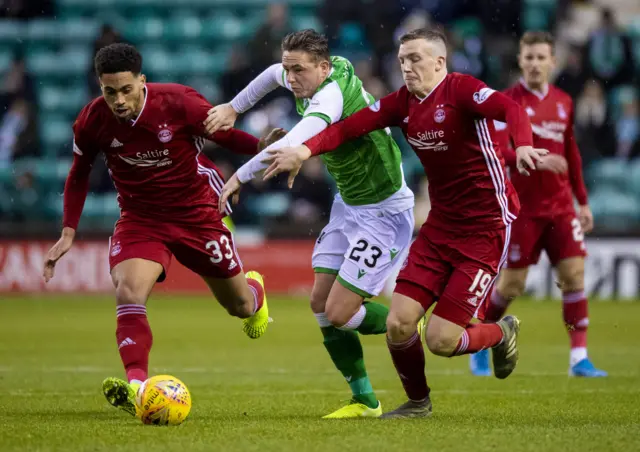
[[268, 80], [574, 161], [387, 112], [327, 103], [196, 108], [476, 97], [85, 150]]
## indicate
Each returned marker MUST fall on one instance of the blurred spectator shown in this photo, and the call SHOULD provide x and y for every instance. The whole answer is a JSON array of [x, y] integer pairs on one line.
[[466, 53], [26, 9], [608, 57], [371, 83], [18, 136], [237, 74], [572, 77], [264, 47], [312, 195], [26, 199], [628, 128], [108, 35], [594, 135]]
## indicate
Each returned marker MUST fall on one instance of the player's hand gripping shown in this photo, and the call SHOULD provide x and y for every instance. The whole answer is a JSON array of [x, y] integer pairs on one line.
[[555, 163], [274, 135], [286, 160], [57, 251], [586, 218], [231, 188], [526, 158], [220, 117]]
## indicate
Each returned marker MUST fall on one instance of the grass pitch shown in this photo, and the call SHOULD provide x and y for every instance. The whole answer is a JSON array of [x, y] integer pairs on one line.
[[269, 394]]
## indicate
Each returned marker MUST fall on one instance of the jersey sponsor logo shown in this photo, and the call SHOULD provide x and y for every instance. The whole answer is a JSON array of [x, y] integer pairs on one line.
[[482, 95], [546, 133], [150, 158], [430, 140], [375, 107], [439, 116], [165, 135], [314, 103], [562, 113]]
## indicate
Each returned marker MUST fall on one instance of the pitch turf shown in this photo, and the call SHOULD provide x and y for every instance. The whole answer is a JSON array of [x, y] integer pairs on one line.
[[269, 394]]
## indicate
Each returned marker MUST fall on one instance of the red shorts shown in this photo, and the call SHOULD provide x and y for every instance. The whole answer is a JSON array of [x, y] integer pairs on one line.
[[560, 236], [456, 270], [206, 248]]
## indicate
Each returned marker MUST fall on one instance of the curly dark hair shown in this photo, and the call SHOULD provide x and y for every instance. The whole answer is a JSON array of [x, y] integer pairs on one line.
[[118, 57]]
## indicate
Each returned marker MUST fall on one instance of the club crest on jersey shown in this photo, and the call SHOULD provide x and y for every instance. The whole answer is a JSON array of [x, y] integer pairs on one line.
[[115, 249], [165, 134], [439, 116], [562, 113]]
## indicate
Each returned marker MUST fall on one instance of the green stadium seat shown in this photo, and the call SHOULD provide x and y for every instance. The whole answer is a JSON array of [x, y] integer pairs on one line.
[[614, 210], [6, 58], [56, 98], [75, 30], [145, 29], [184, 28], [612, 174], [302, 22], [55, 130], [11, 31], [71, 61]]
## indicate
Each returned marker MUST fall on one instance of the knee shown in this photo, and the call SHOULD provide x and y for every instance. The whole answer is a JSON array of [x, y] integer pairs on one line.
[[511, 288], [400, 327], [573, 280], [441, 344], [127, 294], [337, 314]]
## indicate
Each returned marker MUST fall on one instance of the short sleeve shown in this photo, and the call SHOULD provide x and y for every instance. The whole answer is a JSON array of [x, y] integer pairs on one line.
[[327, 103]]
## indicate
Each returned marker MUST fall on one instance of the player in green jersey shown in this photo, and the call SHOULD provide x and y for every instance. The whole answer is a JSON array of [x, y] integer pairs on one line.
[[371, 222]]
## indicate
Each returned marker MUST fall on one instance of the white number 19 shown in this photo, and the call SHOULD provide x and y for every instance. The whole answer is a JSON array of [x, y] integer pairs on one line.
[[480, 283]]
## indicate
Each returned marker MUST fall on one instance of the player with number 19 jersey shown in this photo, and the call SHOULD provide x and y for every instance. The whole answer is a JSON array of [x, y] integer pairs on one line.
[[463, 243], [167, 189]]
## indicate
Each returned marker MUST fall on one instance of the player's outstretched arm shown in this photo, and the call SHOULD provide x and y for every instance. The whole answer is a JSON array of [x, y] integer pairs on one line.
[[75, 194], [483, 101], [574, 163], [386, 112], [223, 117]]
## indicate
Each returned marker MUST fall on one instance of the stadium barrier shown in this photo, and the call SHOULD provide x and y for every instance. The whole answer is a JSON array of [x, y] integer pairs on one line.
[[612, 271]]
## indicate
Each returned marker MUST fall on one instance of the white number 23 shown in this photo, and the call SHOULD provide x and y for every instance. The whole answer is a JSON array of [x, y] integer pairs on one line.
[[216, 252]]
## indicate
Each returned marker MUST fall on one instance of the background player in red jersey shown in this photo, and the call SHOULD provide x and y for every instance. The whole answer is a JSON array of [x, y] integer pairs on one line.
[[151, 136], [548, 220], [463, 243]]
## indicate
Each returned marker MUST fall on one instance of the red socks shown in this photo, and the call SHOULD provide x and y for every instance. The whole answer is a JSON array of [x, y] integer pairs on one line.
[[258, 293], [478, 337], [408, 357], [576, 318], [497, 307], [134, 339]]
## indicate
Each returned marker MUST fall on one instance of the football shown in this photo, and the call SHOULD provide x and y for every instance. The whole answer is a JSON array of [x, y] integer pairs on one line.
[[163, 400]]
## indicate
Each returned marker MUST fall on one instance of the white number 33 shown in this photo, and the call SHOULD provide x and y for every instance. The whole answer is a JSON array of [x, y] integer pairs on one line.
[[216, 252]]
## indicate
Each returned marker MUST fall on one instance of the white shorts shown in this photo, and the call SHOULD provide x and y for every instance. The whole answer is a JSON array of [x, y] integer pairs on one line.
[[362, 245]]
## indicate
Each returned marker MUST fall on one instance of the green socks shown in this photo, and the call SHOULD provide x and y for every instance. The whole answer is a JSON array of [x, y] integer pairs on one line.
[[346, 353]]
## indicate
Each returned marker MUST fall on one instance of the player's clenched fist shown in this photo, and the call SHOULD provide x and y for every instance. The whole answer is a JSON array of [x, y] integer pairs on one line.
[[526, 158], [220, 117], [286, 160], [56, 252]]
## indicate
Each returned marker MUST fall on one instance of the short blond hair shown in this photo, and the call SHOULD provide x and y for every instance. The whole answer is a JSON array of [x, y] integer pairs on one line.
[[537, 37]]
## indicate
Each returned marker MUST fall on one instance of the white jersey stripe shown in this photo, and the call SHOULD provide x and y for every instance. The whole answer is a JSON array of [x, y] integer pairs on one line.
[[492, 172], [498, 167], [215, 181]]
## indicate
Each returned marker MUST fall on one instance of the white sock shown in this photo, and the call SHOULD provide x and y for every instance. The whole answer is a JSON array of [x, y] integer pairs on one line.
[[322, 319], [356, 320], [577, 354]]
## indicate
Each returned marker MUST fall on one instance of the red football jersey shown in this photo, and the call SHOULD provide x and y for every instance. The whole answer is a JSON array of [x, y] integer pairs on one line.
[[155, 161], [543, 193], [450, 133]]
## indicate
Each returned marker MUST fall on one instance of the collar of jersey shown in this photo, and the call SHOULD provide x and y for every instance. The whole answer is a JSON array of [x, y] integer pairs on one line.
[[325, 82], [433, 90], [539, 94], [144, 104]]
